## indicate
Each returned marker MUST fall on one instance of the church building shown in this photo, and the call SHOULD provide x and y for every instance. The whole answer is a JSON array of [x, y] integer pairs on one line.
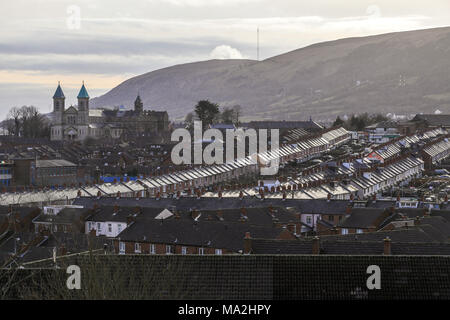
[[81, 122]]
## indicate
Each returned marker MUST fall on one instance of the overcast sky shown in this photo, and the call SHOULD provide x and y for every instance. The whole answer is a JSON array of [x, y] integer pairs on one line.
[[104, 42]]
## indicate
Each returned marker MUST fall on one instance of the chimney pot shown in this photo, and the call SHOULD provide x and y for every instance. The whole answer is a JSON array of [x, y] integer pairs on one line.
[[247, 243], [387, 246], [316, 245]]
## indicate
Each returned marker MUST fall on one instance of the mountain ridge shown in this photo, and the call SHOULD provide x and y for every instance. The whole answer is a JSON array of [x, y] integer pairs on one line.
[[399, 72]]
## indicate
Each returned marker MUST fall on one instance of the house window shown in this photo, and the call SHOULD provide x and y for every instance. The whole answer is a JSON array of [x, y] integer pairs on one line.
[[330, 218], [119, 228], [137, 247], [121, 247], [359, 231], [169, 249], [99, 226], [152, 249], [109, 227], [219, 252], [183, 250], [201, 251], [344, 231], [308, 220]]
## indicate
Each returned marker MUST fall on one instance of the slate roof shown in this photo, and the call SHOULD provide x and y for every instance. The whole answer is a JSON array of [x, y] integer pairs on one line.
[[205, 203], [363, 218], [412, 234], [262, 216], [107, 213], [213, 234], [282, 125], [434, 119], [21, 211], [54, 163], [65, 216]]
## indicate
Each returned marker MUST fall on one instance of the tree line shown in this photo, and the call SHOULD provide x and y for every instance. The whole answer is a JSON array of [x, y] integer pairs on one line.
[[211, 113], [26, 122], [360, 121]]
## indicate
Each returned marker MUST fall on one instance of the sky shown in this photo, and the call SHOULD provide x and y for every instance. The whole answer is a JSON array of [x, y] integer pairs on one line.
[[104, 42]]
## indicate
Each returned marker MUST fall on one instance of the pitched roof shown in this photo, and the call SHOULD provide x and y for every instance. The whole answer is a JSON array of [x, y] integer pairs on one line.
[[83, 93], [219, 235], [364, 218], [65, 216], [434, 119], [58, 93]]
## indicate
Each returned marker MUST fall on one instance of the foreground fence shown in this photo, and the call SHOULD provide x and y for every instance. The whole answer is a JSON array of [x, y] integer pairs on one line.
[[231, 277]]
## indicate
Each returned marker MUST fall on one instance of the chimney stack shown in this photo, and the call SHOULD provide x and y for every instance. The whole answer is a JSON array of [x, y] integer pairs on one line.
[[387, 246], [130, 219], [62, 250], [417, 221], [247, 243], [316, 245]]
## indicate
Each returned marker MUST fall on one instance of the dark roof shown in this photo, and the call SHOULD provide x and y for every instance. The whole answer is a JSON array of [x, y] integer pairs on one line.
[[383, 124], [21, 211], [263, 216], [411, 234], [441, 213], [219, 235], [65, 216], [364, 218], [76, 242], [121, 214], [282, 125], [72, 242], [434, 120], [411, 212], [187, 203]]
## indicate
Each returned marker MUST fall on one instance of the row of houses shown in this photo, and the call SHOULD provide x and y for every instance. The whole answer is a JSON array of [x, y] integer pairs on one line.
[[223, 230], [187, 180]]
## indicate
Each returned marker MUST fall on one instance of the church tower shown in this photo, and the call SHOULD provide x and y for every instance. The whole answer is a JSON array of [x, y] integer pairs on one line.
[[138, 105], [83, 105], [58, 104]]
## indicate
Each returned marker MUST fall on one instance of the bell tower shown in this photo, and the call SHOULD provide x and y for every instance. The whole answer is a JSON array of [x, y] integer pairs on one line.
[[83, 105], [138, 105], [58, 104]]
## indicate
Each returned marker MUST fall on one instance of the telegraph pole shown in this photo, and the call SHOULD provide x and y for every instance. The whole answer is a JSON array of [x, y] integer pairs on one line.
[[257, 43]]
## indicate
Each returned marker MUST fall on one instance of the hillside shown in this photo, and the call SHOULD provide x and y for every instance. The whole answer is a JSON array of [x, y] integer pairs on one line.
[[405, 72]]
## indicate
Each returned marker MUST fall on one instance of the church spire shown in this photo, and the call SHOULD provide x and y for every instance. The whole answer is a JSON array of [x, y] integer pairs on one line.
[[83, 94], [59, 94]]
